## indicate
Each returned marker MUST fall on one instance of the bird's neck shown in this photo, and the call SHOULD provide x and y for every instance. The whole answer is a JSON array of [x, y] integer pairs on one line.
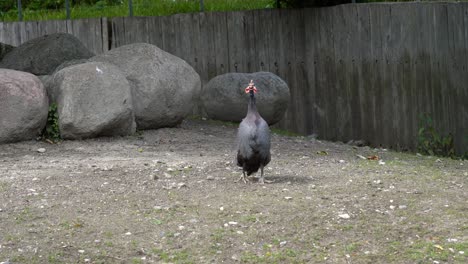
[[252, 105]]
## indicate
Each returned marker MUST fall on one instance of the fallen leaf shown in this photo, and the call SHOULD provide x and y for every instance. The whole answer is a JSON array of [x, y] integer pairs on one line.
[[322, 152], [439, 247]]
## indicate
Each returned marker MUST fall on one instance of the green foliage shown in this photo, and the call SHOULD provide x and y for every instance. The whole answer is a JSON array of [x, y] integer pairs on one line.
[[52, 131], [55, 9], [430, 142]]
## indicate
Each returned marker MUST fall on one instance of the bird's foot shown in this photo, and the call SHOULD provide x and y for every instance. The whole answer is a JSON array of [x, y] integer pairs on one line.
[[243, 178], [263, 181]]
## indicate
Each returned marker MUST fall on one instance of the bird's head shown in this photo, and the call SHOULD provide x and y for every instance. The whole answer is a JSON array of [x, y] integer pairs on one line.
[[251, 88]]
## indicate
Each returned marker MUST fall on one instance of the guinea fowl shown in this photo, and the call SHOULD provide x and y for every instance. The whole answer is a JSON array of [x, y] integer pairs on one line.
[[253, 140]]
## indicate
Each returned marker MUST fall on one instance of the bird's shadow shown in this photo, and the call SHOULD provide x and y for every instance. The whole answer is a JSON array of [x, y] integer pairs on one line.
[[276, 179]]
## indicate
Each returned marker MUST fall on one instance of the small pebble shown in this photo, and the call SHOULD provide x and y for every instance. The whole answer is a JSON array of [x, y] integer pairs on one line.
[[81, 251], [128, 234], [402, 206], [41, 150], [392, 207], [342, 161], [461, 252], [181, 227], [283, 243], [344, 216], [240, 232], [288, 198], [232, 223]]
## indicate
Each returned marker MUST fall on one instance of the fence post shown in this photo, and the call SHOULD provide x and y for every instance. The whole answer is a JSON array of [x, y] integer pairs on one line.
[[278, 4], [67, 7], [20, 13], [130, 8], [202, 6]]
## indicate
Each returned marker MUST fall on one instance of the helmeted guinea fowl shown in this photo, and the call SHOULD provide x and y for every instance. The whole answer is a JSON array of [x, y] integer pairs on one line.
[[253, 140]]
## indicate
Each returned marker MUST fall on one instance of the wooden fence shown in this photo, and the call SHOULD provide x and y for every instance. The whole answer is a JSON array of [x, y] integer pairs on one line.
[[356, 71]]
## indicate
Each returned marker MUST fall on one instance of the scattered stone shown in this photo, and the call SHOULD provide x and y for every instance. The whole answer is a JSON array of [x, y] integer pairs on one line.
[[381, 162], [283, 243], [193, 221], [81, 251], [181, 227], [361, 157], [367, 252], [176, 234], [221, 208], [154, 177], [392, 207], [402, 206], [240, 232], [451, 250], [461, 252], [181, 184], [232, 223], [342, 161], [452, 240], [128, 234], [344, 216], [210, 178], [288, 198], [41, 150], [438, 160]]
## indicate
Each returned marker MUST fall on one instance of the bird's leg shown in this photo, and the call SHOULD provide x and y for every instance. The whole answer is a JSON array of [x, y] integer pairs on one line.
[[243, 177], [262, 179]]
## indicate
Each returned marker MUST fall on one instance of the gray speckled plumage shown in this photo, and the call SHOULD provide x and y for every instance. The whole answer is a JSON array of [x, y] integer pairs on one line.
[[253, 141]]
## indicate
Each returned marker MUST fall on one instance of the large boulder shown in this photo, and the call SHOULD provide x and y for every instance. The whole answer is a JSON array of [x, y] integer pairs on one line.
[[4, 49], [224, 97], [23, 106], [165, 88], [93, 99], [40, 56]]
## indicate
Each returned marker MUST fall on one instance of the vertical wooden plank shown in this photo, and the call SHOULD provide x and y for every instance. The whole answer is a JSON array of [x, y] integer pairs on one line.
[[363, 95], [301, 76], [235, 24], [274, 37], [441, 114], [155, 31], [206, 48], [184, 35], [423, 66], [329, 73], [105, 35], [311, 27], [195, 43], [457, 57], [464, 97], [374, 95], [178, 49], [341, 98], [221, 44], [262, 27]]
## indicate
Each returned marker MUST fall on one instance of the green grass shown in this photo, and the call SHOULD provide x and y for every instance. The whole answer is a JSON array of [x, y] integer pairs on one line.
[[140, 8]]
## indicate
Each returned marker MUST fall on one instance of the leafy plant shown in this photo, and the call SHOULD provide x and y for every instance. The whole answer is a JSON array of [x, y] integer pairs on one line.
[[52, 131], [430, 142]]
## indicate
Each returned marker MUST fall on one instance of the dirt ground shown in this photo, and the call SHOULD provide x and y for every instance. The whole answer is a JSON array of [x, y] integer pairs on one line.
[[171, 196]]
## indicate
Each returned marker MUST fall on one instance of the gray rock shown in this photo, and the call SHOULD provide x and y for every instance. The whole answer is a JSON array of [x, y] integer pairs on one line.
[[40, 56], [23, 106], [93, 99], [68, 64], [4, 49], [224, 97], [165, 88]]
